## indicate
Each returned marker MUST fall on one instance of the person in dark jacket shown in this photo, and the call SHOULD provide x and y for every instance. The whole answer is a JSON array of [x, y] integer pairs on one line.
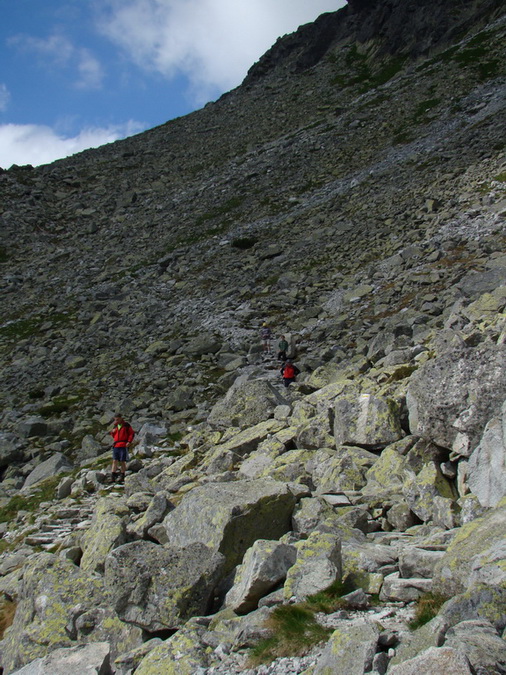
[[289, 372], [123, 435], [282, 348]]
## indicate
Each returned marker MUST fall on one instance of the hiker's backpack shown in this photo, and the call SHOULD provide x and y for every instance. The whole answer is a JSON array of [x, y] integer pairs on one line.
[[289, 371]]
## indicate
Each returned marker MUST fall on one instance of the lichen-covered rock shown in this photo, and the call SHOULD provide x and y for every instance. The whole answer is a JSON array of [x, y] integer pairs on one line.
[[421, 490], [317, 566], [451, 398], [362, 559], [246, 403], [350, 650], [365, 420], [87, 659], [229, 517], [316, 432], [229, 453], [290, 467], [397, 589], [160, 587], [182, 654], [107, 531], [481, 602], [388, 474], [477, 555], [482, 645], [50, 589], [434, 660], [486, 470], [264, 566], [342, 469], [158, 508]]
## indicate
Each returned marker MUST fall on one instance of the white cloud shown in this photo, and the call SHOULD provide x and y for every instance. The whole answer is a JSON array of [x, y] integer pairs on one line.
[[212, 42], [37, 144], [58, 51], [5, 98], [90, 71]]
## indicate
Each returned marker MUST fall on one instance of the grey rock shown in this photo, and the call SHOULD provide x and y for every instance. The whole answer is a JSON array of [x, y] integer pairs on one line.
[[89, 659], [236, 515], [56, 464], [138, 574], [487, 464], [441, 406]]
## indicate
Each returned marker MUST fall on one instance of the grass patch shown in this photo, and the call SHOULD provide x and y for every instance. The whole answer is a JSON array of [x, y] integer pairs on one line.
[[295, 629], [229, 205], [427, 607], [423, 108], [45, 493], [58, 406]]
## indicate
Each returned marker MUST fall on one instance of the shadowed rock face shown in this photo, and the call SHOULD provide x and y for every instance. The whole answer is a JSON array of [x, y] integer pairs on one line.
[[397, 28]]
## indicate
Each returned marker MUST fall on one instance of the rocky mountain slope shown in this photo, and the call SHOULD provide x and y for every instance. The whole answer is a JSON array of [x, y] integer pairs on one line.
[[351, 193]]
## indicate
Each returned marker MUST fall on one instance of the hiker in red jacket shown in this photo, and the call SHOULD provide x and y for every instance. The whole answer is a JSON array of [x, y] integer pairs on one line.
[[289, 372], [123, 435]]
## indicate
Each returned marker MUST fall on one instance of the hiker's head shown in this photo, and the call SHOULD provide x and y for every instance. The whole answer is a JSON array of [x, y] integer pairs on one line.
[[118, 417]]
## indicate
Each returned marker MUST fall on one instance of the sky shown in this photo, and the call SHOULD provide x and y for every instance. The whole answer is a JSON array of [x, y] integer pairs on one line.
[[76, 74]]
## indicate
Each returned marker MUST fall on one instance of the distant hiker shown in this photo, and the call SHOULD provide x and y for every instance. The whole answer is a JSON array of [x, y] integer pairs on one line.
[[289, 372], [282, 348], [266, 336], [123, 435]]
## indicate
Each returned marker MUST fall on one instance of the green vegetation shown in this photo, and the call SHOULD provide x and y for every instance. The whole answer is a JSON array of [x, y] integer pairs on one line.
[[217, 211], [501, 177], [427, 607], [44, 493], [421, 110], [3, 254], [294, 628], [21, 329], [59, 405], [360, 72], [244, 243]]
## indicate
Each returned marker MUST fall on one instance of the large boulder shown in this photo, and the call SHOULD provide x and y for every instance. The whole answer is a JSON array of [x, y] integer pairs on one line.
[[107, 532], [229, 517], [451, 398], [318, 565], [434, 660], [365, 420], [160, 587], [477, 555], [225, 455], [56, 464], [264, 566], [480, 642], [350, 649], [90, 659], [246, 403], [51, 588], [185, 653], [423, 491], [341, 469], [11, 449], [486, 470]]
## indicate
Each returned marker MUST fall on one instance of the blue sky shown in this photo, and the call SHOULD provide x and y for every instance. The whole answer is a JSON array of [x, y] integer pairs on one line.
[[76, 74]]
